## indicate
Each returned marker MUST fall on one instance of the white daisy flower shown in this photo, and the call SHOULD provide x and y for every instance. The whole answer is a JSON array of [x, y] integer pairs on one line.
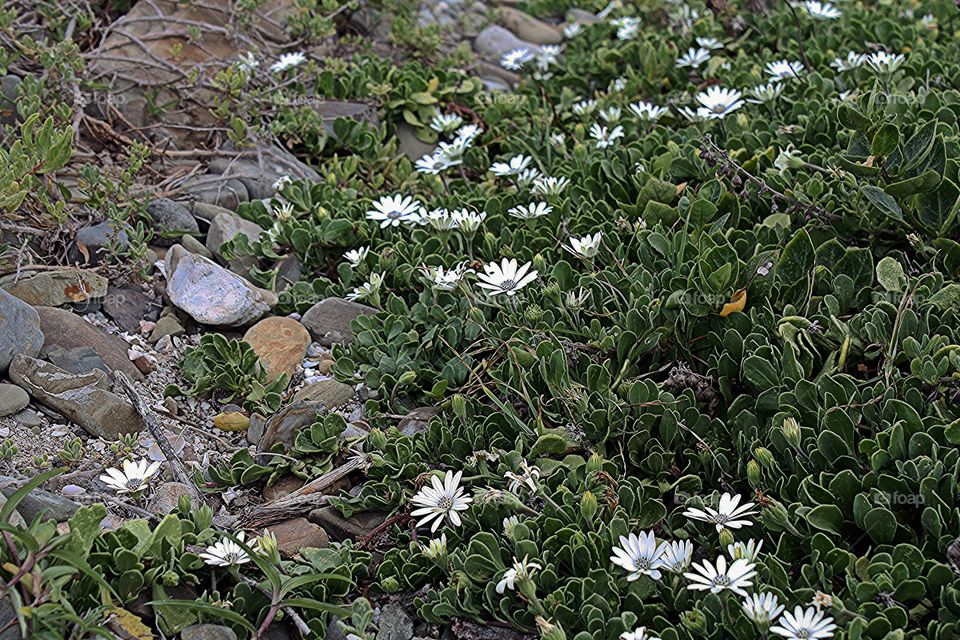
[[611, 114], [226, 553], [514, 59], [787, 159], [639, 555], [391, 211], [247, 61], [784, 69], [762, 608], [549, 54], [709, 43], [439, 219], [281, 182], [436, 549], [822, 10], [587, 246], [441, 500], [676, 556], [521, 570], [508, 524], [764, 93], [356, 256], [584, 107], [134, 478], [695, 115], [640, 633], [452, 152], [446, 279], [718, 102], [288, 61], [853, 61], [467, 133], [550, 186], [528, 476], [748, 550], [506, 277], [468, 221], [445, 122], [737, 577], [693, 58], [730, 514], [368, 289], [647, 111], [432, 164], [883, 62], [283, 211], [617, 85], [530, 211], [527, 176], [572, 30], [805, 624], [627, 27], [605, 137], [511, 167]]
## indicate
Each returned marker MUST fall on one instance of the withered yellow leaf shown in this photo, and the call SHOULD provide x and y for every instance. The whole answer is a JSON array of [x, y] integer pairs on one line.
[[736, 304]]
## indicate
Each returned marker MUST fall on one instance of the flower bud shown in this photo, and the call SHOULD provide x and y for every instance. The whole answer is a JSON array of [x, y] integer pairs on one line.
[[539, 263], [765, 457], [726, 537], [407, 378], [459, 405], [549, 630], [594, 463], [791, 431], [775, 516], [377, 440], [694, 621], [389, 584], [588, 506], [753, 473]]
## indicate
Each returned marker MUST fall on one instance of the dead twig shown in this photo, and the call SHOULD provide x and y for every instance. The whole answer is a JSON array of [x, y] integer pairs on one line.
[[150, 419]]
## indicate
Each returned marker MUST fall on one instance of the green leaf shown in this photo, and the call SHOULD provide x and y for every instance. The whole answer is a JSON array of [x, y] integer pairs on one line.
[[826, 517], [890, 275], [213, 611], [884, 202], [797, 259], [885, 140]]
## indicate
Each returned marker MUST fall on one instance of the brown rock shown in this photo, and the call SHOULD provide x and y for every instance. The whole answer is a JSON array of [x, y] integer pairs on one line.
[[282, 426], [417, 420], [529, 28], [80, 398], [282, 487], [55, 288], [298, 533], [167, 496], [280, 343], [68, 331], [339, 528], [330, 393]]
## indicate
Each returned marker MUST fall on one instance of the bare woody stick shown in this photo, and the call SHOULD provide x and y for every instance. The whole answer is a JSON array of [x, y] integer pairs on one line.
[[179, 471]]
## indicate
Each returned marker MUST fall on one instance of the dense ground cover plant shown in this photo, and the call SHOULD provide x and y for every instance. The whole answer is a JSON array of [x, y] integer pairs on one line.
[[688, 302]]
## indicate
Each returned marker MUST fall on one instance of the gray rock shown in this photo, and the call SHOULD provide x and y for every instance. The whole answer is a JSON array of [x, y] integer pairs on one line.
[[494, 41], [289, 271], [80, 398], [19, 329], [66, 331], [12, 399], [328, 321], [55, 288], [411, 146], [259, 169], [193, 245], [223, 193], [8, 619], [172, 220], [330, 110], [581, 16], [226, 226], [394, 623], [78, 360], [127, 306], [335, 630], [8, 104], [39, 502], [98, 241], [417, 420], [283, 426], [167, 325], [28, 418], [207, 632], [331, 393], [166, 497], [211, 294], [205, 211]]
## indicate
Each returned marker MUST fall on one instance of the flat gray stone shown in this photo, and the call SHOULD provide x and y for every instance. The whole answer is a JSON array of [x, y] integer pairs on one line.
[[19, 329], [12, 399], [207, 632], [172, 220], [80, 398], [98, 240], [227, 226], [39, 502], [394, 623], [67, 331], [494, 41], [56, 288], [328, 321]]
